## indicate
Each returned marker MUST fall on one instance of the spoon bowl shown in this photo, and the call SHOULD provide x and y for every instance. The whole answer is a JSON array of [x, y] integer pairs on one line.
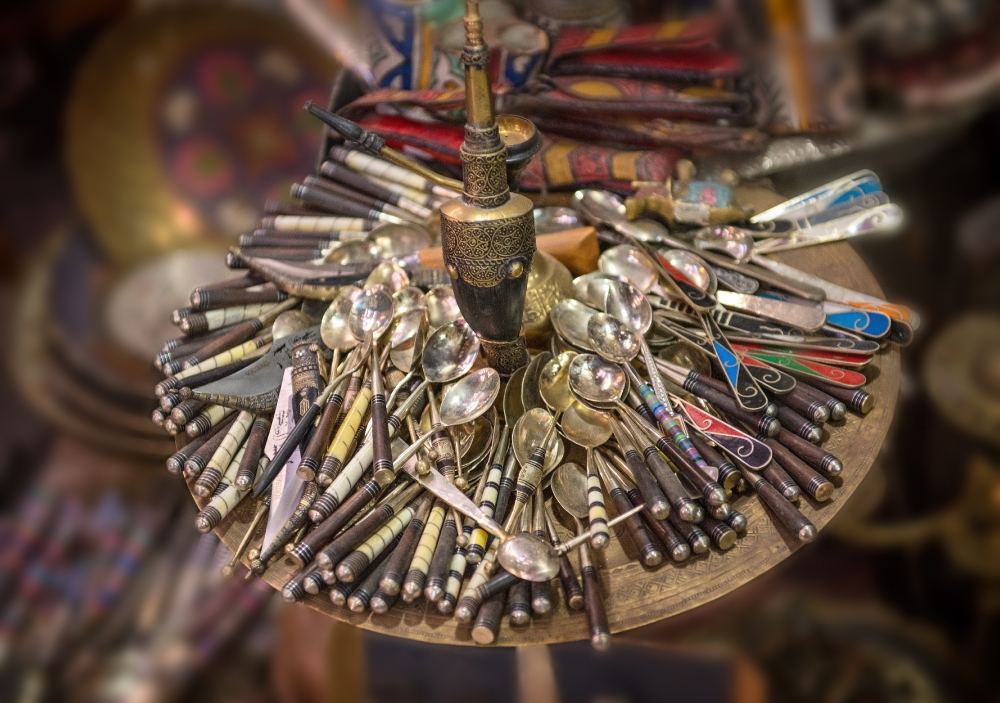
[[628, 305], [371, 314], [612, 339], [352, 252], [450, 352], [569, 487], [390, 275], [528, 558], [592, 288], [553, 382], [407, 299], [584, 426], [555, 219], [529, 431], [393, 241], [334, 329], [693, 269], [597, 382], [602, 207], [470, 397], [442, 307], [290, 322], [630, 262], [732, 241], [569, 318]]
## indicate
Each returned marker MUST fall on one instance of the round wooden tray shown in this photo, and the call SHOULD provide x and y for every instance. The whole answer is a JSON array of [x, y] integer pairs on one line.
[[636, 596]]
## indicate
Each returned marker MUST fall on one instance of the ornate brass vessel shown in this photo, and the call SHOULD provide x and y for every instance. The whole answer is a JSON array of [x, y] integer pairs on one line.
[[487, 233]]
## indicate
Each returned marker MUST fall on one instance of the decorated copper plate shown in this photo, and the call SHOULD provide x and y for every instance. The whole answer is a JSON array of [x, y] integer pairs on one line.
[[636, 596], [184, 119], [80, 383]]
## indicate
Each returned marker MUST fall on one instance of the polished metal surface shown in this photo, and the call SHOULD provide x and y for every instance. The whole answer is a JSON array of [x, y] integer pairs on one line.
[[470, 397]]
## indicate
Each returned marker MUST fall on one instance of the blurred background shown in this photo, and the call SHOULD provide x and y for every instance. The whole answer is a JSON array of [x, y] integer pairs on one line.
[[139, 139]]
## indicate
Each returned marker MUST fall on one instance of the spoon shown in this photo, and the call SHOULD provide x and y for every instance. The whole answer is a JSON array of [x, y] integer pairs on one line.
[[396, 241], [470, 397], [290, 322], [555, 219], [448, 355], [370, 317], [612, 339], [732, 241], [597, 382], [533, 430], [592, 288], [553, 382], [333, 328], [631, 263], [569, 318], [697, 291], [389, 275], [570, 488], [409, 329], [584, 426], [524, 555], [692, 268], [407, 299], [602, 207], [442, 307]]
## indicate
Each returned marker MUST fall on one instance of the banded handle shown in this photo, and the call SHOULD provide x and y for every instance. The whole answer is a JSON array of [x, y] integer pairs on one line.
[[597, 617], [597, 513], [810, 453], [699, 542], [776, 475], [786, 513], [519, 603], [649, 553], [444, 550], [395, 572], [813, 483]]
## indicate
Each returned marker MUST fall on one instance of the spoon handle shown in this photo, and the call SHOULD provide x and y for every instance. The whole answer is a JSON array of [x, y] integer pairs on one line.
[[381, 451], [319, 439], [597, 616], [597, 513], [670, 425], [786, 513], [644, 480], [344, 437], [488, 500], [752, 452], [572, 592], [748, 393], [649, 553]]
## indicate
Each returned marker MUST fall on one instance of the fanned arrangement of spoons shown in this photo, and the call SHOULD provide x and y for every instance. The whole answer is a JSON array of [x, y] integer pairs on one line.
[[388, 463]]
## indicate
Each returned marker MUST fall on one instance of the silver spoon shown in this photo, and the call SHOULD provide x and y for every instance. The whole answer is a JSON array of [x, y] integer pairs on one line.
[[333, 328], [470, 397], [612, 339], [569, 318], [569, 488], [602, 207], [630, 262]]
